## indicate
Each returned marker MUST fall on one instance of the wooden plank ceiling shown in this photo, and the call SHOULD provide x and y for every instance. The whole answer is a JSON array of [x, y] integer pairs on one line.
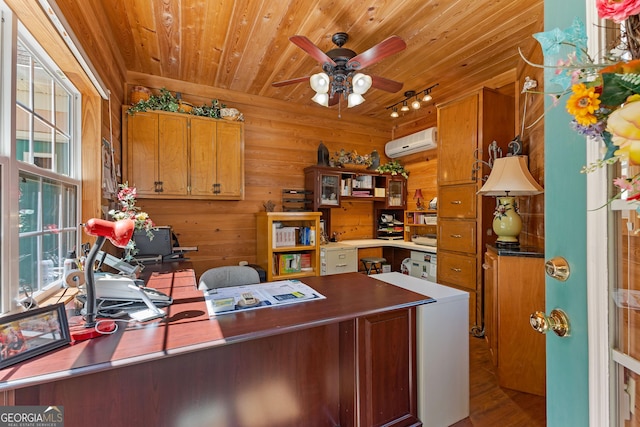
[[244, 46]]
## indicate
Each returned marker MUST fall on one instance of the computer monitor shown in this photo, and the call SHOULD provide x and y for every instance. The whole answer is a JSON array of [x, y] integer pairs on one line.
[[160, 245]]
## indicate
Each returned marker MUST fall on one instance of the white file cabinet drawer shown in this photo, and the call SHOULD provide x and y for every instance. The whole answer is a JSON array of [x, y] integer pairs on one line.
[[336, 258]]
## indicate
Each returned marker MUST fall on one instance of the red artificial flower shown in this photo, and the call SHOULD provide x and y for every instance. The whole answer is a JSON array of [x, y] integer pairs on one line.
[[617, 10]]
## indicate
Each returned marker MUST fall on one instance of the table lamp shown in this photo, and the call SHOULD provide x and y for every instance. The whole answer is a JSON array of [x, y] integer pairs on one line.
[[119, 233], [418, 198], [509, 177]]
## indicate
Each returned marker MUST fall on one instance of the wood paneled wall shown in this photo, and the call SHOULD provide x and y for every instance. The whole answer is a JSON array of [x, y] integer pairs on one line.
[[281, 139]]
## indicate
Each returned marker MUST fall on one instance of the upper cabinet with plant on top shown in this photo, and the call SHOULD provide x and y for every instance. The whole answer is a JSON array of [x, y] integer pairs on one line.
[[174, 156]]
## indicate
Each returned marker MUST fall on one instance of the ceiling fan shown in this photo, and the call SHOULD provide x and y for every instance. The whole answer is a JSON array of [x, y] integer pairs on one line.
[[341, 66]]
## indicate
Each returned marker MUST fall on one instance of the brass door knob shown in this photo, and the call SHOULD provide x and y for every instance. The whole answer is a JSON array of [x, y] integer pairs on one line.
[[558, 268], [557, 321]]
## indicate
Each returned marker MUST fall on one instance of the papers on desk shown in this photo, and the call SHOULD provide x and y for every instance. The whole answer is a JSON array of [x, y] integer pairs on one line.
[[229, 300]]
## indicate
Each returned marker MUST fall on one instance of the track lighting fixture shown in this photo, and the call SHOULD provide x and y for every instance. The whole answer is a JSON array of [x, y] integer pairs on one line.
[[421, 96]]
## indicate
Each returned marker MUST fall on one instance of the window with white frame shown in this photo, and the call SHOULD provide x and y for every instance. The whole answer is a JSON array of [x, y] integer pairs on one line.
[[45, 147]]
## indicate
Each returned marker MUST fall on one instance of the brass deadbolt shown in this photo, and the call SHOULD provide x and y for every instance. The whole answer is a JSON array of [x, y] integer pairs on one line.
[[558, 268], [557, 321]]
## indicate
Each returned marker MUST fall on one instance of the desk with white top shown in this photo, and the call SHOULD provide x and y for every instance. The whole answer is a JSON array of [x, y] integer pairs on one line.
[[443, 350]]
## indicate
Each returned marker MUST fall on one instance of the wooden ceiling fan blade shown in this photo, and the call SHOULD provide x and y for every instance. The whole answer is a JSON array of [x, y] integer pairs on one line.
[[290, 82], [385, 48], [314, 51], [386, 84]]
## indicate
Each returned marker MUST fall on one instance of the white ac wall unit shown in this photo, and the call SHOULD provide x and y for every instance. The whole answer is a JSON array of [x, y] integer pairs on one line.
[[414, 143]]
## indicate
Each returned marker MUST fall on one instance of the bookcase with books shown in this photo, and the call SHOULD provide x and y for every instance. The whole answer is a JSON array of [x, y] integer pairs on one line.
[[288, 244]]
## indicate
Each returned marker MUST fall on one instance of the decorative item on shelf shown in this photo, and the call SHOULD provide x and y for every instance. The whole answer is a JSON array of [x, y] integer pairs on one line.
[[139, 93], [394, 167], [418, 198], [323, 155], [269, 206], [184, 107], [418, 99], [231, 114], [509, 178], [350, 159], [166, 101], [296, 200], [375, 160]]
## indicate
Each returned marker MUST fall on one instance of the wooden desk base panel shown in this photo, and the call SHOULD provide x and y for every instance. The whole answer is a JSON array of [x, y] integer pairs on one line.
[[358, 372]]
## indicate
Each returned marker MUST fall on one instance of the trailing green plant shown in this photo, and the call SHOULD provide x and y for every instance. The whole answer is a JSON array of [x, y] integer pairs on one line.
[[394, 167], [166, 101]]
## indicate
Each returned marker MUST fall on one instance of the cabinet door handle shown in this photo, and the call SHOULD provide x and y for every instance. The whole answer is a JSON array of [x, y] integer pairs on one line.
[[457, 270], [158, 185], [341, 265], [456, 236], [456, 202], [485, 266]]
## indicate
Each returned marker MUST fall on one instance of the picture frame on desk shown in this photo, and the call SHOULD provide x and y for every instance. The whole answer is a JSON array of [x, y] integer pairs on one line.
[[32, 333]]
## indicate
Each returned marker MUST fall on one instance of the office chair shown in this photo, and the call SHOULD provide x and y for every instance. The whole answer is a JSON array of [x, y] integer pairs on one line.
[[231, 275]]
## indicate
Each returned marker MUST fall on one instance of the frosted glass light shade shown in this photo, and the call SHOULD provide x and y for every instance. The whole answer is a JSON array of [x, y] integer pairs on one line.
[[510, 176], [361, 83], [319, 82], [427, 97], [394, 113], [416, 104], [321, 98], [354, 99]]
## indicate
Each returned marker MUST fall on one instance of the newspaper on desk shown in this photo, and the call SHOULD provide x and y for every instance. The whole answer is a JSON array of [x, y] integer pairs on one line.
[[272, 294]]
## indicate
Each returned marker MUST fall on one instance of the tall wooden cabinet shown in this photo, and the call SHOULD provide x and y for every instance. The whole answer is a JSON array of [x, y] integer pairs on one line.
[[271, 254], [466, 127], [517, 351], [174, 156]]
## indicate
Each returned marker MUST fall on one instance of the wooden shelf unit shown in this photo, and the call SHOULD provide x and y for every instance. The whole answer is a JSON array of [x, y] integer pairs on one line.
[[415, 223], [267, 250]]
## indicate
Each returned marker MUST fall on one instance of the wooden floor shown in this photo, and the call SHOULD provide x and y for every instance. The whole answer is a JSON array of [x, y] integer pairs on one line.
[[492, 406]]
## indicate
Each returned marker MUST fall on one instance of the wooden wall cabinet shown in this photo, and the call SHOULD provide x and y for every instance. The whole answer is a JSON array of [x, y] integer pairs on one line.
[[466, 127], [331, 185], [175, 156], [268, 252], [517, 351]]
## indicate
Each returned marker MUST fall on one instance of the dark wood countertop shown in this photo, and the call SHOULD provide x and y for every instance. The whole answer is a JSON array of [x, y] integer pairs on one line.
[[189, 328]]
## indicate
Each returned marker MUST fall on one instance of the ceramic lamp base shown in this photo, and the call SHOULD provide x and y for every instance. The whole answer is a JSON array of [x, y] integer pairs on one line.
[[507, 224]]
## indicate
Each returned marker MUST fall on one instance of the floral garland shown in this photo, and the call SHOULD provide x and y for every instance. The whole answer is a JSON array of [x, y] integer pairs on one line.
[[603, 96], [128, 210]]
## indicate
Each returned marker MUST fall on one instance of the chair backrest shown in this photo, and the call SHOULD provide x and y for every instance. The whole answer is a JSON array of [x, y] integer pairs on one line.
[[232, 275]]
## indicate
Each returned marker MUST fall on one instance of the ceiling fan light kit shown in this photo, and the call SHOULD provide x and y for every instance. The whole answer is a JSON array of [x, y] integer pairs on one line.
[[342, 76]]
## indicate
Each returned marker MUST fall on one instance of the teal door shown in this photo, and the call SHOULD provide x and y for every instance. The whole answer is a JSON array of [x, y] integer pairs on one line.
[[565, 236]]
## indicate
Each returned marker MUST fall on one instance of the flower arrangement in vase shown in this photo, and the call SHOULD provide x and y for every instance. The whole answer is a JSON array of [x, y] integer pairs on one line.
[[127, 198]]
